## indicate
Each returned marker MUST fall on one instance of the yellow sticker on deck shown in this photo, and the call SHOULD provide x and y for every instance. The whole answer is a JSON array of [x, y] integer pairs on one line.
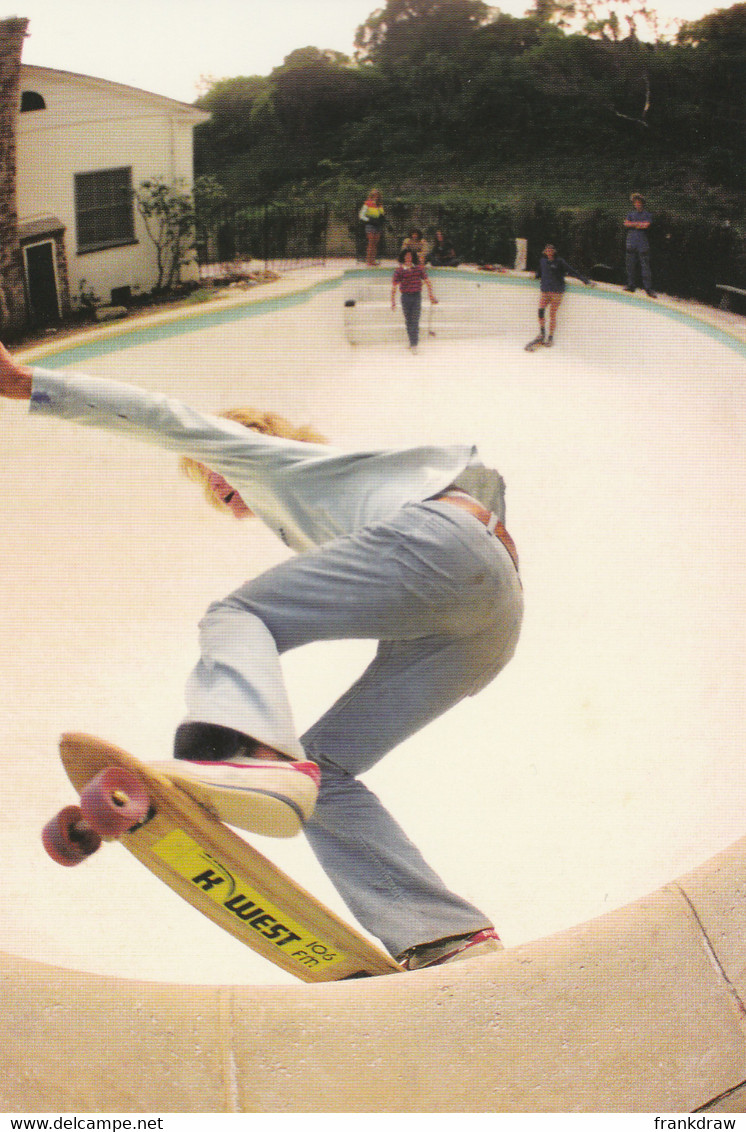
[[239, 899]]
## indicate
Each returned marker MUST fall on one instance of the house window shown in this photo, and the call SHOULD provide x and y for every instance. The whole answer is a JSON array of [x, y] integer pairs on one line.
[[32, 100], [104, 212]]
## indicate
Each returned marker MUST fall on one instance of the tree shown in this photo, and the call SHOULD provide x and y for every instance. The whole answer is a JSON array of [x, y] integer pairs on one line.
[[408, 30], [618, 19], [304, 57], [505, 36], [724, 29], [719, 42], [560, 13], [168, 215], [611, 20], [232, 105], [316, 91]]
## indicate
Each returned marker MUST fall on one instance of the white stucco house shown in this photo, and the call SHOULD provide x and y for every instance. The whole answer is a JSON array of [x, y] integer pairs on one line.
[[83, 145]]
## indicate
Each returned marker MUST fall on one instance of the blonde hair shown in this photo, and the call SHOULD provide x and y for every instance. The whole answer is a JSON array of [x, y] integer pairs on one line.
[[270, 424]]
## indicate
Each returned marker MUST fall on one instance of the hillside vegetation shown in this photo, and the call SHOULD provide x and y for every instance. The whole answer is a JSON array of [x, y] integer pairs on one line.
[[497, 127], [453, 98]]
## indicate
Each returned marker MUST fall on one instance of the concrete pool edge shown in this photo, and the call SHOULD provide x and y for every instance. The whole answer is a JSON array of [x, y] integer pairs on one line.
[[640, 1010], [300, 286]]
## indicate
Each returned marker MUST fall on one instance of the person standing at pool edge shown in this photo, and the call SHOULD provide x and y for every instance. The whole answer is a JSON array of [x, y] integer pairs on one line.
[[403, 546], [638, 224], [372, 214]]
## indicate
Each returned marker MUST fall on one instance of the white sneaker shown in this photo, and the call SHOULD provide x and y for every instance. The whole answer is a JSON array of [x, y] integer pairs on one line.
[[267, 796]]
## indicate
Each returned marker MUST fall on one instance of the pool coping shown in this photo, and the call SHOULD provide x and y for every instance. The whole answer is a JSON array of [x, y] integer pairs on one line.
[[299, 285]]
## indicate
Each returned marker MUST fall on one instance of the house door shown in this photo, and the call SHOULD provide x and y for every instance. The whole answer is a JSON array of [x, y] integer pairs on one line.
[[41, 280]]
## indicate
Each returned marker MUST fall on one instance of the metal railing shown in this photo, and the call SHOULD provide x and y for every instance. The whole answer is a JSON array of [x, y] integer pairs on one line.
[[279, 237]]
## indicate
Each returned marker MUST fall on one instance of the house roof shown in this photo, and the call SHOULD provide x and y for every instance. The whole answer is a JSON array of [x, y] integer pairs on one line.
[[157, 100]]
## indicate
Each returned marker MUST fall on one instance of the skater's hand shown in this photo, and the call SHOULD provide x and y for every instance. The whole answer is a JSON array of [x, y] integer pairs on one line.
[[15, 379]]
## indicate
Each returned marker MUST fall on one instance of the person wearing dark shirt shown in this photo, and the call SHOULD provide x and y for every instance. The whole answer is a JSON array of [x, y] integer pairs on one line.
[[442, 253], [637, 222], [551, 273]]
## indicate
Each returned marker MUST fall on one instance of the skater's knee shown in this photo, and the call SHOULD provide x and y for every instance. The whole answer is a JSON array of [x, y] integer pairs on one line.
[[233, 629], [232, 606], [217, 612]]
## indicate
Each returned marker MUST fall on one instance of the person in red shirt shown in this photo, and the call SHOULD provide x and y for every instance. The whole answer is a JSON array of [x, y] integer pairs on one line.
[[409, 278]]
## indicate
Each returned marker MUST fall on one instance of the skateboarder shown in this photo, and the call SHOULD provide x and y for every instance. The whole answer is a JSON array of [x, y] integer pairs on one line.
[[551, 273], [404, 546]]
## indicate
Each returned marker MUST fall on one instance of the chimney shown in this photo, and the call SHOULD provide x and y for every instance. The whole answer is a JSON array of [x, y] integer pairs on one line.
[[12, 291]]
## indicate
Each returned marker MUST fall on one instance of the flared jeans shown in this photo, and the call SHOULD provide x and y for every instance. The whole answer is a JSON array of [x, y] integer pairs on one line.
[[443, 599]]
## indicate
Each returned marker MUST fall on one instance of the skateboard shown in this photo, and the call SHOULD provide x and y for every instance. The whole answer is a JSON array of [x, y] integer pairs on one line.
[[535, 344], [204, 861]]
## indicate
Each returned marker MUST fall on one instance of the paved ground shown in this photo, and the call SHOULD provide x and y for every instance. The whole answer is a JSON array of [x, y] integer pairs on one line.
[[608, 757]]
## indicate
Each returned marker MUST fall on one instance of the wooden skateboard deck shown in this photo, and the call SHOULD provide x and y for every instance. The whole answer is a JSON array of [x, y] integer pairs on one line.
[[222, 876]]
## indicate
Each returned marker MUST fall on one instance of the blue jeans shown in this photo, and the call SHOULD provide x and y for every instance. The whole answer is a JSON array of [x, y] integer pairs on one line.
[[633, 257], [411, 306], [443, 599]]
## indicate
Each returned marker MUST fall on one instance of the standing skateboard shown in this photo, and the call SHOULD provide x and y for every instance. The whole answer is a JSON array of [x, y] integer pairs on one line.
[[204, 861]]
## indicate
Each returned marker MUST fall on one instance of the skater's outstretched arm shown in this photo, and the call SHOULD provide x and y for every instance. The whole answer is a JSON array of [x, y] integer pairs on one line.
[[15, 379]]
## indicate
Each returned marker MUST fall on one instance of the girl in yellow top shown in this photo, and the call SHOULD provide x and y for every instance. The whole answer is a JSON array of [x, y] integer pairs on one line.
[[372, 213]]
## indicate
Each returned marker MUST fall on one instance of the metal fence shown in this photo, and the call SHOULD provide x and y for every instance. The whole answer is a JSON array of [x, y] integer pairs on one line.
[[691, 260], [278, 236]]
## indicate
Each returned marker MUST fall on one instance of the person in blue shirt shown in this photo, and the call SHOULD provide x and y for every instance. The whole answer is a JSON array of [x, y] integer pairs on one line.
[[402, 546], [551, 273], [637, 222]]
